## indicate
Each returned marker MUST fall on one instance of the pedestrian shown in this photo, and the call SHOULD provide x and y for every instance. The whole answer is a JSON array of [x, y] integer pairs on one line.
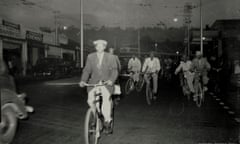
[[111, 51], [116, 98]]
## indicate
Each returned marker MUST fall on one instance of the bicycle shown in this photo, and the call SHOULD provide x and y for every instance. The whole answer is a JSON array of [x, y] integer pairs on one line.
[[149, 89], [131, 85], [94, 119], [185, 86], [140, 83], [199, 92]]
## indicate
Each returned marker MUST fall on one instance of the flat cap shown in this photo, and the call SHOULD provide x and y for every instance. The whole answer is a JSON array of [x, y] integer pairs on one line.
[[198, 53], [97, 42]]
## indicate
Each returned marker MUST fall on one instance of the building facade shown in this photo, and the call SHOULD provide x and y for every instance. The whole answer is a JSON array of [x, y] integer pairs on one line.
[[21, 47]]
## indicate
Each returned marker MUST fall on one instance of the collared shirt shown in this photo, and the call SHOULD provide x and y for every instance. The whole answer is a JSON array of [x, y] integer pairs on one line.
[[184, 66], [134, 64], [151, 65]]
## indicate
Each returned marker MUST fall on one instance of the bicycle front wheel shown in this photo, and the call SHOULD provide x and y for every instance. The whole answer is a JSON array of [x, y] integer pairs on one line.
[[200, 95], [129, 86], [140, 84], [149, 94], [90, 128]]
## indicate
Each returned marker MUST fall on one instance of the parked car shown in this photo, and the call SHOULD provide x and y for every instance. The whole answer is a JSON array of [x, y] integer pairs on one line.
[[47, 67], [13, 106], [53, 67]]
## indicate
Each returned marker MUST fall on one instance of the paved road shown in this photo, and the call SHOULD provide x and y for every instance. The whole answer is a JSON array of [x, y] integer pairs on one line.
[[60, 109]]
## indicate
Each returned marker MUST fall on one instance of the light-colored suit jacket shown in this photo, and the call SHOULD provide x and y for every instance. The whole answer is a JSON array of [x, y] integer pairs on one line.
[[201, 65], [108, 70]]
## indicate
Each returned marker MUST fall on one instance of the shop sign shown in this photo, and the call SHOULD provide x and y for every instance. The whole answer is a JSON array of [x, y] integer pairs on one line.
[[9, 32], [63, 39], [34, 36], [49, 38], [11, 25]]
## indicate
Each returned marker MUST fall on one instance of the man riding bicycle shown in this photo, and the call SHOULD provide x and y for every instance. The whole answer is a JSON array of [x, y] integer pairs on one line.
[[134, 67], [201, 66], [101, 66], [152, 66], [185, 66]]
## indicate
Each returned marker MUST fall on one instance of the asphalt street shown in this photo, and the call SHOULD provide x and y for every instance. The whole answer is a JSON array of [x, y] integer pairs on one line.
[[60, 107]]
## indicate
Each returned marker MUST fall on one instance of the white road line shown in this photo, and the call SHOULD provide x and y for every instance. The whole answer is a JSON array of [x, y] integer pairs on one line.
[[217, 99], [226, 107], [231, 112], [237, 119], [221, 103]]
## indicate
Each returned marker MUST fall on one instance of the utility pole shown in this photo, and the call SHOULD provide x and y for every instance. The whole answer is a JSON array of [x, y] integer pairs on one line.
[[56, 26], [139, 42], [81, 33], [187, 19], [201, 28]]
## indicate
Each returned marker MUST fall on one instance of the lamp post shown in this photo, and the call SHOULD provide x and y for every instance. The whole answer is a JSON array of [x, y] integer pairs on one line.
[[81, 33], [201, 28]]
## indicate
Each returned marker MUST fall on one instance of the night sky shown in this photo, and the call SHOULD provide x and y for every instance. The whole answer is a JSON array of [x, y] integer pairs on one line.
[[124, 13]]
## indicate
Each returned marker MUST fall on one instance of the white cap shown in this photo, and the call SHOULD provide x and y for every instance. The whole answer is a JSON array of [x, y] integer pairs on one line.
[[97, 42], [198, 53]]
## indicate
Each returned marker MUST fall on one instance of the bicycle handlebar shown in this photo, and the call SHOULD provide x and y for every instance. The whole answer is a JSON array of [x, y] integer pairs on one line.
[[94, 85], [101, 83]]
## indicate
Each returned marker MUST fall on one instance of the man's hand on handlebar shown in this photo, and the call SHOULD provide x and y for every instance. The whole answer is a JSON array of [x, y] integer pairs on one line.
[[82, 84], [109, 82]]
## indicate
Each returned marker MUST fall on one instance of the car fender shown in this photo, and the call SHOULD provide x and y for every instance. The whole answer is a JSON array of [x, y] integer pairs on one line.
[[10, 98]]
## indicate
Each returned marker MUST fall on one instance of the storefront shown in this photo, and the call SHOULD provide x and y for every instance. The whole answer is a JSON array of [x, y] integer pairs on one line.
[[13, 48], [36, 48]]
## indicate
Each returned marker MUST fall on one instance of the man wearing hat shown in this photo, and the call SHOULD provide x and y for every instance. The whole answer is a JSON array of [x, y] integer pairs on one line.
[[101, 66], [200, 64]]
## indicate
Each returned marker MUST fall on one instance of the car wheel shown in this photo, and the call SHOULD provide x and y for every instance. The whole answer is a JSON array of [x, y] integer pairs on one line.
[[8, 125]]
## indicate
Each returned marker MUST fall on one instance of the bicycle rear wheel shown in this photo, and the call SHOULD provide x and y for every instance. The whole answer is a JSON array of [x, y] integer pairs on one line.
[[140, 84], [149, 94], [90, 128], [129, 86]]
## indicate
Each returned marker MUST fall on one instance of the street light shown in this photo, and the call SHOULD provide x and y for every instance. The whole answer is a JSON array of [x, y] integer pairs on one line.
[[175, 19], [65, 27]]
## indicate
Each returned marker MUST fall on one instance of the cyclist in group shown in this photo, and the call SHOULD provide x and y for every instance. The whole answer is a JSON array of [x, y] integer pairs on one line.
[[134, 67], [185, 66], [152, 65], [201, 65], [101, 66]]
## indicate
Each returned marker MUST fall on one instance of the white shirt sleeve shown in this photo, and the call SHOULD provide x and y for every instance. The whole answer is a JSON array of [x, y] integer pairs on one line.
[[144, 65], [139, 65], [129, 63], [158, 64]]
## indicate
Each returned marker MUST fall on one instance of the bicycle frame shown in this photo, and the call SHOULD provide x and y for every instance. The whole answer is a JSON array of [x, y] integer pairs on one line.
[[198, 85], [149, 88]]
